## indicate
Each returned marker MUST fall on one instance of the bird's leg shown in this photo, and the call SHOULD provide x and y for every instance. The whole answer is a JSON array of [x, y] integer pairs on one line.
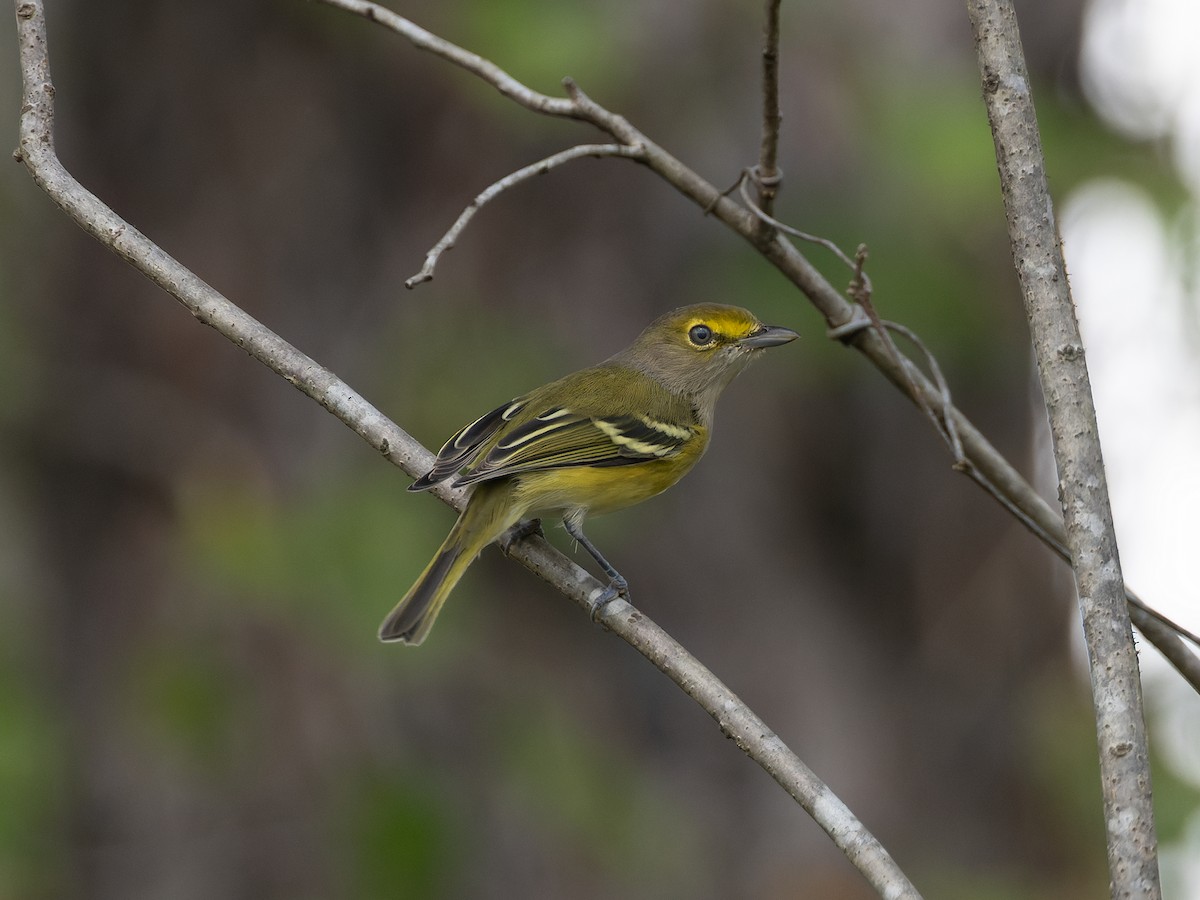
[[519, 532], [617, 585]]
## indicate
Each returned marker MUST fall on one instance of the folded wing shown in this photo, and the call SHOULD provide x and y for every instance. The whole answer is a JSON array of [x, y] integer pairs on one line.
[[559, 437], [460, 449]]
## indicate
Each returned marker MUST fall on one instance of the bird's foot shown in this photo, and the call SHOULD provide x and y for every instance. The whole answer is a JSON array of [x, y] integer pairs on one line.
[[519, 532], [617, 587]]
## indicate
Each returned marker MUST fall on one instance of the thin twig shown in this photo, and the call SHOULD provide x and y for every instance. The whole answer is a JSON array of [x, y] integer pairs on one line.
[[538, 168], [865, 317], [1136, 603], [769, 176], [744, 221], [750, 175], [1090, 536], [736, 720], [942, 418], [473, 63]]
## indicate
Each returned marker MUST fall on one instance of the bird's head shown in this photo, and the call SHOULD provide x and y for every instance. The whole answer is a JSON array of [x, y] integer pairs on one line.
[[697, 350]]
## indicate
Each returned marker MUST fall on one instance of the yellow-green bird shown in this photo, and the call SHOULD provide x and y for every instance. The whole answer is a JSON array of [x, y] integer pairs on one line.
[[594, 441]]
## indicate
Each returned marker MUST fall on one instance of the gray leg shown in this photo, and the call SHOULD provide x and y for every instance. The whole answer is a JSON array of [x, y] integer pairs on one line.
[[617, 585]]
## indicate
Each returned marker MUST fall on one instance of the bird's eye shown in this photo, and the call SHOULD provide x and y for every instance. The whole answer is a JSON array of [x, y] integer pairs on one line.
[[700, 335]]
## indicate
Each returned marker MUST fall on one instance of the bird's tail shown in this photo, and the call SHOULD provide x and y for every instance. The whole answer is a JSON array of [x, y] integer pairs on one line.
[[484, 519]]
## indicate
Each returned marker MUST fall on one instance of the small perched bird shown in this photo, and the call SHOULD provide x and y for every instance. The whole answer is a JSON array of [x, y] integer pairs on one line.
[[594, 441]]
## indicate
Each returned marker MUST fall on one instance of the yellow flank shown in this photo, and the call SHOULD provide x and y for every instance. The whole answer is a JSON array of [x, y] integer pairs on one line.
[[601, 489]]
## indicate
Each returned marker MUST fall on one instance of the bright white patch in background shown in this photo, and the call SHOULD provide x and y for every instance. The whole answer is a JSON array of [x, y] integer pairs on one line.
[[1142, 357], [1140, 67], [1136, 60], [1130, 275]]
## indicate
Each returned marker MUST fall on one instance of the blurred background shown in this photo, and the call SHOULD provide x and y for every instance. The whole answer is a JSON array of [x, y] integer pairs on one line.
[[194, 557]]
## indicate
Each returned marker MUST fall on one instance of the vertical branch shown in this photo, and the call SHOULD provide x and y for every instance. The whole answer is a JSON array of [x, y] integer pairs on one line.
[[769, 175], [1083, 490]]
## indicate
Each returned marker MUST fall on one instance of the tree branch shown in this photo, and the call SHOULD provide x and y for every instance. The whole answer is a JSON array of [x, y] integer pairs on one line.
[[1062, 365], [473, 63], [540, 167], [735, 719], [768, 174], [1006, 484]]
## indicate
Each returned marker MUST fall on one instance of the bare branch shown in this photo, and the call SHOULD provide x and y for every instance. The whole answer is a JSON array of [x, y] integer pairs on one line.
[[473, 63], [943, 421], [749, 175], [736, 720], [538, 168], [1090, 538], [1135, 603], [769, 176]]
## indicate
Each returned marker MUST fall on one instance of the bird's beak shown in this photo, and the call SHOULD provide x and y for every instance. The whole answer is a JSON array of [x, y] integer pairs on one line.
[[768, 336]]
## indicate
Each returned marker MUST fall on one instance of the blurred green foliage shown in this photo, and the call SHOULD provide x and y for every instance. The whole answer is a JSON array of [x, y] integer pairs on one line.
[[330, 561], [31, 763], [587, 795], [398, 835], [186, 703], [541, 41]]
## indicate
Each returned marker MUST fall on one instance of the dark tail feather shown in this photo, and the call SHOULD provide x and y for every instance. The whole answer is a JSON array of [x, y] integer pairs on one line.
[[413, 616], [484, 519]]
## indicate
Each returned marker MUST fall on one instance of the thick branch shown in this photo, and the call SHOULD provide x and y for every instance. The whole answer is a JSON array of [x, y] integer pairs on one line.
[[1008, 484], [1091, 540], [735, 719]]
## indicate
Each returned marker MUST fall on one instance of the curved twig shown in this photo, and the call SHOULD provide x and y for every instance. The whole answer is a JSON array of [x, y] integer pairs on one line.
[[540, 167], [752, 175]]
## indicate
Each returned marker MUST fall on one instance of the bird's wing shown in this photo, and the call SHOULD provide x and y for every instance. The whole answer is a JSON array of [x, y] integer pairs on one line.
[[459, 450], [560, 437]]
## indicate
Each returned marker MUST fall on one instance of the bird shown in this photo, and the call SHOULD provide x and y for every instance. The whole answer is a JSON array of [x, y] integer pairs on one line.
[[595, 441]]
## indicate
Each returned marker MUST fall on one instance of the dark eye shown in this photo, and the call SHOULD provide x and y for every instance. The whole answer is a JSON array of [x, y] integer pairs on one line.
[[700, 335]]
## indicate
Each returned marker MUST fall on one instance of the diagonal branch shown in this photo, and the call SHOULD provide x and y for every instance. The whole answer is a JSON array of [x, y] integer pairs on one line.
[[735, 719], [473, 63], [1006, 483], [1090, 537]]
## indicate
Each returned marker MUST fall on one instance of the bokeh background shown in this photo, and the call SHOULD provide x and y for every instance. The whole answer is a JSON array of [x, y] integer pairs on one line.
[[194, 557]]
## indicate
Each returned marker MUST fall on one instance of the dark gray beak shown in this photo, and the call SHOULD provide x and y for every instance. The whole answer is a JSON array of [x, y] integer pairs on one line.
[[768, 336]]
